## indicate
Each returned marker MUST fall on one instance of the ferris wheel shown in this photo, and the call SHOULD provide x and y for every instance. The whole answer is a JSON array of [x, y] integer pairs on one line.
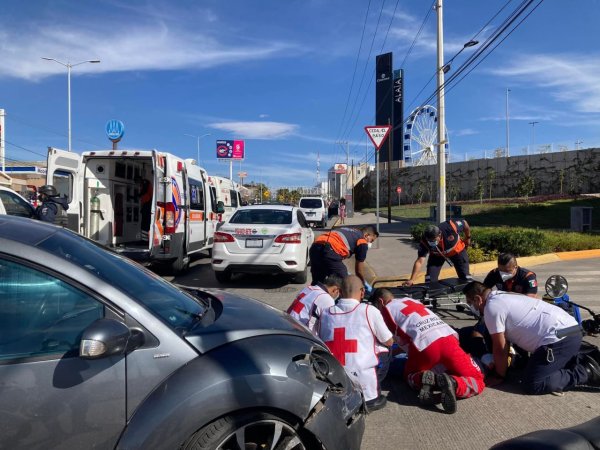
[[420, 137]]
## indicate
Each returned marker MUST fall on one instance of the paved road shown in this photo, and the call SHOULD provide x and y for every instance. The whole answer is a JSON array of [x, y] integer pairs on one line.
[[498, 414]]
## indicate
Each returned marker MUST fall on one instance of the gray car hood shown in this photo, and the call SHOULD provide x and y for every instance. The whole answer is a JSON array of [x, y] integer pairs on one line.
[[241, 318]]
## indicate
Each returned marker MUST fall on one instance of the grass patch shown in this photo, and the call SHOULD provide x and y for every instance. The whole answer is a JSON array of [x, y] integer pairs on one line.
[[541, 213]]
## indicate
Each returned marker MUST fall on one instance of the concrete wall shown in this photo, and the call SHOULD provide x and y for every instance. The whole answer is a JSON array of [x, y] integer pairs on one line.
[[572, 172]]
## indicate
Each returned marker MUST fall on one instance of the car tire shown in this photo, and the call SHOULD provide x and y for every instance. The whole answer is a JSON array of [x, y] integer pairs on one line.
[[259, 430], [223, 277], [301, 277], [324, 223], [180, 265]]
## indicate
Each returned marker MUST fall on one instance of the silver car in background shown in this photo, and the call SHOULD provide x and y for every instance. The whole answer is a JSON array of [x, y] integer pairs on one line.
[[98, 352], [263, 239]]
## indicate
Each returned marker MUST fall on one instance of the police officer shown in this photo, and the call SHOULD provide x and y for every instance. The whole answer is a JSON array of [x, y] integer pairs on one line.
[[50, 203], [443, 243], [509, 277], [330, 249]]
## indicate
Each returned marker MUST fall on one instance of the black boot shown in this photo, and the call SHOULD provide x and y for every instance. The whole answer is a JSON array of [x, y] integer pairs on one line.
[[592, 368], [426, 394], [448, 387], [377, 403]]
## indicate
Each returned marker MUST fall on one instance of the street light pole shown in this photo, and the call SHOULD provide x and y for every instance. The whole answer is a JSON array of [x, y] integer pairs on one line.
[[441, 213], [198, 144], [507, 126], [533, 135], [69, 66]]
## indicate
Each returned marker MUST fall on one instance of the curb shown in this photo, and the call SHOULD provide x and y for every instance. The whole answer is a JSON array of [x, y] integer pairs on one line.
[[484, 267]]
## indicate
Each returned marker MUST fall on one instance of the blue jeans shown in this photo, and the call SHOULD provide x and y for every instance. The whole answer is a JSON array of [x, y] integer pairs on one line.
[[555, 367]]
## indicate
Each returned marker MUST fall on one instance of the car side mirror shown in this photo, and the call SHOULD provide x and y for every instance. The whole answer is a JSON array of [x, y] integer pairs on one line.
[[220, 207], [108, 337]]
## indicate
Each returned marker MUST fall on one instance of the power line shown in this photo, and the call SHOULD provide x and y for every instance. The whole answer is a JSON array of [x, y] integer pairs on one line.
[[355, 67], [344, 133]]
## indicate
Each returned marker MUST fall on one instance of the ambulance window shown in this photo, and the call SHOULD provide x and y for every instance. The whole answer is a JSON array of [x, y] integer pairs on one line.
[[213, 198], [234, 199], [196, 195], [63, 182], [120, 170]]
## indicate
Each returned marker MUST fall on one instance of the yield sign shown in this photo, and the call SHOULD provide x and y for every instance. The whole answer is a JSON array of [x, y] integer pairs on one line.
[[378, 134]]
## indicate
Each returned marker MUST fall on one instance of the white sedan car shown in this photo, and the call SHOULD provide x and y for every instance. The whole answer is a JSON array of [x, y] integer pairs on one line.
[[263, 239]]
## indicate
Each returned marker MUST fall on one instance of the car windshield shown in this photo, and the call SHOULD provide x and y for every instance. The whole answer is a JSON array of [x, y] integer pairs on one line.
[[262, 216], [177, 308], [311, 203]]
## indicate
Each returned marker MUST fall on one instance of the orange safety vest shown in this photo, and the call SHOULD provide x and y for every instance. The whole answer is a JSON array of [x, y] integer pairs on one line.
[[445, 246]]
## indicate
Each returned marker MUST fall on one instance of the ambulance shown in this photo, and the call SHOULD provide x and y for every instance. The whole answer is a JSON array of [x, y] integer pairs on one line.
[[103, 188], [228, 192]]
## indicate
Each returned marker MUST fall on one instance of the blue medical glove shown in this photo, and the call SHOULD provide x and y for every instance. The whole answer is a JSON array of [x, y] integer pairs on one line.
[[368, 288]]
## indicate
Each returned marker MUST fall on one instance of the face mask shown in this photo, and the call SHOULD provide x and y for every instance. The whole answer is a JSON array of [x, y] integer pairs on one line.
[[506, 276], [474, 310], [432, 243], [370, 244]]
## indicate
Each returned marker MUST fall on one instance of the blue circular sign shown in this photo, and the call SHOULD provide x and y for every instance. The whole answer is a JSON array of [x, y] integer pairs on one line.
[[115, 130]]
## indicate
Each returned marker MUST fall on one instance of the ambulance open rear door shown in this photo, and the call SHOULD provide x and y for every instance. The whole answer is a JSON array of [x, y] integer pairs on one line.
[[65, 173]]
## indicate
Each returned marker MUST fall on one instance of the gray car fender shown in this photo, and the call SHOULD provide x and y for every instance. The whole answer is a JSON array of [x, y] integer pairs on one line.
[[267, 373]]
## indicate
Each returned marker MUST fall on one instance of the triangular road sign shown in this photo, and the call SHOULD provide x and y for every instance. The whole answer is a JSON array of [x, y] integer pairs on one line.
[[378, 134]]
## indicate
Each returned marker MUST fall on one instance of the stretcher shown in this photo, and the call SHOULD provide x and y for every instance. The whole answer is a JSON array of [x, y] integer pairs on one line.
[[441, 295]]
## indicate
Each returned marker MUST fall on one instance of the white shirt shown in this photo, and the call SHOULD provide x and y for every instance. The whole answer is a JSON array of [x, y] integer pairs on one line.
[[309, 304], [380, 329], [526, 321]]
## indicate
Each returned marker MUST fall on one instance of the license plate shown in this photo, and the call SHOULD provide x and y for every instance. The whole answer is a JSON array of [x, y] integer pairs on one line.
[[254, 243], [310, 213]]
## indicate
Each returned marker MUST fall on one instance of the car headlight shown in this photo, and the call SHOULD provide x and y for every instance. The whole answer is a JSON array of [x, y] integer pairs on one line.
[[327, 368]]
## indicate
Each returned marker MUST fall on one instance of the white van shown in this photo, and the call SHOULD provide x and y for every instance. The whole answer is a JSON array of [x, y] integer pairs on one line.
[[314, 210], [105, 202], [228, 192]]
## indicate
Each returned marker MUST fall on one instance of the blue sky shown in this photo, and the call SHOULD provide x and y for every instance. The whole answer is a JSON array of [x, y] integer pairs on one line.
[[278, 73]]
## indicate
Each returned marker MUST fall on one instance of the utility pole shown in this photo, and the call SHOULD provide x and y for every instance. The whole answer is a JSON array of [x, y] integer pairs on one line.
[[577, 143], [507, 126], [441, 212], [389, 174], [533, 135]]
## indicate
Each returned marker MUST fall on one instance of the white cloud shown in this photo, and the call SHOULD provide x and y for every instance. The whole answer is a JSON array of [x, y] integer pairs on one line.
[[257, 130], [154, 46], [568, 78], [466, 132]]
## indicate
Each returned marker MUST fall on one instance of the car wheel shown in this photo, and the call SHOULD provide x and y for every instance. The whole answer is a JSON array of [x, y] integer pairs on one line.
[[324, 223], [223, 277], [244, 431], [301, 277], [180, 265]]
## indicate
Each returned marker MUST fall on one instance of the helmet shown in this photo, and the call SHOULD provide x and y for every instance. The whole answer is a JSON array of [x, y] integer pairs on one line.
[[431, 232], [48, 190]]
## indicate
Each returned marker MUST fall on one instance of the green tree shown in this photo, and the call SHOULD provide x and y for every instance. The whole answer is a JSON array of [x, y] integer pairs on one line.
[[526, 186], [480, 190], [491, 176]]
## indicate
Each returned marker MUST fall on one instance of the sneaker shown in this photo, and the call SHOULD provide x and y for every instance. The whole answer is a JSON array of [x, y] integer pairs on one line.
[[376, 403], [426, 394], [448, 387], [592, 369]]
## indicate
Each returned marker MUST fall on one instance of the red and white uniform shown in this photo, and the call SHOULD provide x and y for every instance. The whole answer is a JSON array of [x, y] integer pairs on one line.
[[309, 304], [431, 342], [352, 331]]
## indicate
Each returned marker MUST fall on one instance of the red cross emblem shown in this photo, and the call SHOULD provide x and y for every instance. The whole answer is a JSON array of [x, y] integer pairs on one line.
[[414, 307], [297, 305], [340, 346]]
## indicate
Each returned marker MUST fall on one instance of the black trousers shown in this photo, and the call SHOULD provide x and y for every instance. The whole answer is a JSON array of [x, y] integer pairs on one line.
[[435, 263], [324, 261]]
